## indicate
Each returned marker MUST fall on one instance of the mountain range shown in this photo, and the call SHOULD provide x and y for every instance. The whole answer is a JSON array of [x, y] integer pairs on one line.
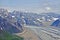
[[14, 21]]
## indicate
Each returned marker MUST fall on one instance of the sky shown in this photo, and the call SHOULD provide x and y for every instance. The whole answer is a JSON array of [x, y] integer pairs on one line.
[[38, 6]]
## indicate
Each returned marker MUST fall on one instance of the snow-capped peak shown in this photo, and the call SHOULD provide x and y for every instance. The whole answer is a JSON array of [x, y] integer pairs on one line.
[[55, 18]]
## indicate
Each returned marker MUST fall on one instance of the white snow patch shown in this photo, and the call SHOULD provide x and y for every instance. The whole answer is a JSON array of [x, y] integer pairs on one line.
[[13, 16]]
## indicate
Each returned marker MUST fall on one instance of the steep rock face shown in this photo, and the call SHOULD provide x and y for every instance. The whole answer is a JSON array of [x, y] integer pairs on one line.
[[7, 26], [56, 23]]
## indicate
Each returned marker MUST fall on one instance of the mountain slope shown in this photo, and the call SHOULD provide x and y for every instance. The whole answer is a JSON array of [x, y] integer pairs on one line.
[[6, 36], [7, 26]]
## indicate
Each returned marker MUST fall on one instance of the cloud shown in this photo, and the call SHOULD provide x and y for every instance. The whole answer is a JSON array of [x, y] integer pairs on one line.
[[48, 8]]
